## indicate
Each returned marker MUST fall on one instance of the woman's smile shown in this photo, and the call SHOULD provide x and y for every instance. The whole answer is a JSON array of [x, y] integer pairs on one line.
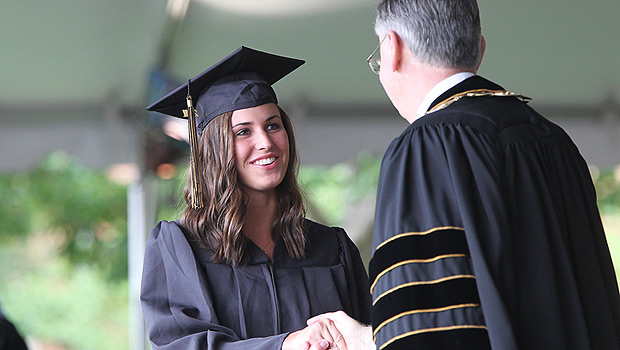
[[266, 161]]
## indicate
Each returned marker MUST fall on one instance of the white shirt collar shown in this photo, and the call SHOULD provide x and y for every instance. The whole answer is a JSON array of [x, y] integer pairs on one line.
[[439, 89]]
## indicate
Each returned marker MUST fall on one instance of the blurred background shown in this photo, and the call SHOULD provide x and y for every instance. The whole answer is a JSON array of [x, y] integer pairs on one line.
[[85, 172]]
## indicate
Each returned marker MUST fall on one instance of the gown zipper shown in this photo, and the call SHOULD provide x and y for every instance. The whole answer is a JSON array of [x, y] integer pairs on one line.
[[274, 297]]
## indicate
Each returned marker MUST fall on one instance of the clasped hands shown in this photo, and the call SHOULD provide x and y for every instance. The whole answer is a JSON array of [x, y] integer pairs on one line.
[[331, 331]]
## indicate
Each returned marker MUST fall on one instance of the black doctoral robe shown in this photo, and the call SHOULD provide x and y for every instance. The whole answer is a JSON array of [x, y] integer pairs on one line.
[[189, 302], [10, 339], [487, 233]]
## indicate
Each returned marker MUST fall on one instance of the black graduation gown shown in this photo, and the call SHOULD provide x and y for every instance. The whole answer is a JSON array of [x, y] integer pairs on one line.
[[487, 230], [189, 302]]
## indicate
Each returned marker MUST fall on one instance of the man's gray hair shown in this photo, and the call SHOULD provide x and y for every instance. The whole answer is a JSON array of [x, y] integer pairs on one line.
[[443, 33]]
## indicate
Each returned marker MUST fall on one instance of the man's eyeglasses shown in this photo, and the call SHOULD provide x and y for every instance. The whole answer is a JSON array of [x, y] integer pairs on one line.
[[375, 62]]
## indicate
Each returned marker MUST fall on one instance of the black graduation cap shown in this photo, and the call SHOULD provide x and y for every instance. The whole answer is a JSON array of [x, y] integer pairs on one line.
[[241, 80]]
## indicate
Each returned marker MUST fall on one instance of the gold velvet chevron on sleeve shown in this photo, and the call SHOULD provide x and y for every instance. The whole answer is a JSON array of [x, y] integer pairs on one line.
[[424, 292]]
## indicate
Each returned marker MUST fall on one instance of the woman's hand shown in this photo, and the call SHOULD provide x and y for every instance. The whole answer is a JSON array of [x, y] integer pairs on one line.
[[322, 329]]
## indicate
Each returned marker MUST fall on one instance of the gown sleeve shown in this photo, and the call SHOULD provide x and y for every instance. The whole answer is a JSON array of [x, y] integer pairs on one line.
[[357, 279], [434, 244], [176, 302]]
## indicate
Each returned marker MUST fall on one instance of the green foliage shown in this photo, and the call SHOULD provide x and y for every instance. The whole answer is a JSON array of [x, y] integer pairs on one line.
[[85, 209], [607, 185], [63, 259], [53, 301], [170, 196], [330, 189]]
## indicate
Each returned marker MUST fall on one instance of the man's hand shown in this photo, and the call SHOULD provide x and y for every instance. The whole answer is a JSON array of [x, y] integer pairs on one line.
[[356, 335], [322, 334]]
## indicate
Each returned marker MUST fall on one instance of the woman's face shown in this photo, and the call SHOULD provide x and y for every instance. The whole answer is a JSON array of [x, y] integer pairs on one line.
[[261, 147]]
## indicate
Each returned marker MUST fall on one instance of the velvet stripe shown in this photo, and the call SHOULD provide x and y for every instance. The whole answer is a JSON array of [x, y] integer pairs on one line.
[[450, 292], [415, 272], [458, 338], [413, 246]]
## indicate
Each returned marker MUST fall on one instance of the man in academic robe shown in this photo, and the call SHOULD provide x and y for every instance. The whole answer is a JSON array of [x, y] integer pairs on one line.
[[487, 232]]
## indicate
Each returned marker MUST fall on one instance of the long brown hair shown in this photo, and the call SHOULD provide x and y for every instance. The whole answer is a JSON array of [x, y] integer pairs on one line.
[[218, 225]]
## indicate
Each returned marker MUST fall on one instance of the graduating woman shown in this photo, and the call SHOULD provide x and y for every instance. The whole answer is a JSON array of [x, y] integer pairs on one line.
[[243, 268]]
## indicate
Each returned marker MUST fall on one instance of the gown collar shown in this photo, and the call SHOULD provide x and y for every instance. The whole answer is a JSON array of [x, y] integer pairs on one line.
[[475, 86], [472, 83], [440, 88]]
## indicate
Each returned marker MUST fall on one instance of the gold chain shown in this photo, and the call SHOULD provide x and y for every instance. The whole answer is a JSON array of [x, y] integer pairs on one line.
[[477, 93]]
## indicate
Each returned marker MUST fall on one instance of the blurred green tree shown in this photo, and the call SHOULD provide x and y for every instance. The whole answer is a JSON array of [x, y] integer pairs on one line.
[[81, 208]]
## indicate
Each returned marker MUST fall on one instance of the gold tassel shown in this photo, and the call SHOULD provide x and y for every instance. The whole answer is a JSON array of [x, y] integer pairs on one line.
[[196, 182]]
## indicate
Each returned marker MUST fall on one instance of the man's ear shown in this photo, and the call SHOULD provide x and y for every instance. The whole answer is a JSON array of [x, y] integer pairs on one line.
[[391, 52], [483, 47]]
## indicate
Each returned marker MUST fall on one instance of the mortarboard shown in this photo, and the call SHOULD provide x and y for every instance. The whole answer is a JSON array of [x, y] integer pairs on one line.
[[241, 80]]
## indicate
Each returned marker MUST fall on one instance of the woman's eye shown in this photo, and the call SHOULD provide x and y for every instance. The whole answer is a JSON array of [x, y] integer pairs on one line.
[[273, 126], [242, 132]]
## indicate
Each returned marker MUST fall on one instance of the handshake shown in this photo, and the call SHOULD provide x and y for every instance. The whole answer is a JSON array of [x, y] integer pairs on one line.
[[331, 331]]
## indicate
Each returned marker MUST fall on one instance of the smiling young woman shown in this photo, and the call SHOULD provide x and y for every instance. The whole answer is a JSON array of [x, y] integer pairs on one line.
[[229, 147], [243, 268]]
